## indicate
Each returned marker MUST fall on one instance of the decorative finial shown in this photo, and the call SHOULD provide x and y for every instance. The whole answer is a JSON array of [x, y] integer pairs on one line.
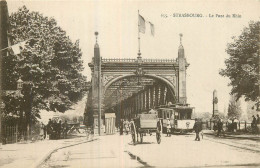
[[181, 38], [96, 34]]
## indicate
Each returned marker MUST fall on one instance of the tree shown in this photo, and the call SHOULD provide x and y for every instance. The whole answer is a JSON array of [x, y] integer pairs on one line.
[[50, 65], [251, 110], [203, 115], [242, 66], [234, 108]]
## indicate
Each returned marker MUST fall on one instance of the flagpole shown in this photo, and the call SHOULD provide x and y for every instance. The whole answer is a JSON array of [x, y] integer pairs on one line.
[[139, 52]]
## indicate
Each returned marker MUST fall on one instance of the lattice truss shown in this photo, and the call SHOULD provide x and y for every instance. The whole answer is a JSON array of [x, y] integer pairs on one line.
[[125, 88]]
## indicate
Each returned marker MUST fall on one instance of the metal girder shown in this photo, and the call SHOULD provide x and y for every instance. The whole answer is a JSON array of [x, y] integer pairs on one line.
[[125, 88], [131, 82]]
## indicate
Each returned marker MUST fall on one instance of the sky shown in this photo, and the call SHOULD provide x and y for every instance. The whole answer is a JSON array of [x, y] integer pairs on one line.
[[204, 38]]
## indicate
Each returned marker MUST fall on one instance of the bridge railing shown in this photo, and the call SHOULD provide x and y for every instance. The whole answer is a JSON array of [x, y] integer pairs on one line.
[[135, 60], [158, 60], [118, 60]]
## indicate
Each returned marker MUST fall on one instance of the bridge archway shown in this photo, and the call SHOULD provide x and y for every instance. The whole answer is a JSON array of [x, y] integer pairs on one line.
[[169, 84], [129, 95], [150, 79]]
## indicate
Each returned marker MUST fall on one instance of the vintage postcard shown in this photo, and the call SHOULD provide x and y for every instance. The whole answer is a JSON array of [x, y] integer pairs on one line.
[[127, 83]]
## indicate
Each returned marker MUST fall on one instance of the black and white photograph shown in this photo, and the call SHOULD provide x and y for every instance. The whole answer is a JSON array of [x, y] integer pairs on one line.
[[128, 83]]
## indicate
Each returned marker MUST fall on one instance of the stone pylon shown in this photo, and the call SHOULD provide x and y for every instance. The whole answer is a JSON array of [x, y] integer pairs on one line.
[[182, 73], [97, 95]]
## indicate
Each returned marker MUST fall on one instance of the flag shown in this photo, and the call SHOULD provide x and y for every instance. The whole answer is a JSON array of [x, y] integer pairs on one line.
[[16, 49], [152, 28], [141, 24]]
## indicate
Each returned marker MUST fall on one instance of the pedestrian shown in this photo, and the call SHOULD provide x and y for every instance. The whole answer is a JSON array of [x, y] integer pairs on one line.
[[235, 124], [257, 123], [54, 132], [124, 124], [59, 130], [121, 127], [197, 128], [229, 125], [220, 127], [254, 124], [126, 127], [65, 129], [42, 131], [168, 127], [129, 125], [49, 129]]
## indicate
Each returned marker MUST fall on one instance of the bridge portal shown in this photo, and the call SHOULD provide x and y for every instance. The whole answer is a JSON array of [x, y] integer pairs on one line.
[[128, 87]]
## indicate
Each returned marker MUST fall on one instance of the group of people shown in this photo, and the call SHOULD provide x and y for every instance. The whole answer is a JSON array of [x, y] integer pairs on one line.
[[255, 121], [218, 126], [54, 130], [232, 124]]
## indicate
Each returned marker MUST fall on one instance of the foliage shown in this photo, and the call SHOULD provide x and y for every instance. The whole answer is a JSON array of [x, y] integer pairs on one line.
[[234, 108], [251, 110], [242, 66], [203, 115], [206, 116], [222, 115], [88, 112], [50, 65]]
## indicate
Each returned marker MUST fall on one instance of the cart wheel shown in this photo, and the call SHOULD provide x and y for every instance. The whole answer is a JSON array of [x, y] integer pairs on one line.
[[141, 137], [133, 132], [158, 137]]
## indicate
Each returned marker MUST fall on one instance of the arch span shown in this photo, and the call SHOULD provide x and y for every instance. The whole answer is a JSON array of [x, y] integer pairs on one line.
[[168, 83]]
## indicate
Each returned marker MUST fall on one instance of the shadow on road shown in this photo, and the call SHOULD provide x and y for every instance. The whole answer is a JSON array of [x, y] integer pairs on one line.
[[134, 157]]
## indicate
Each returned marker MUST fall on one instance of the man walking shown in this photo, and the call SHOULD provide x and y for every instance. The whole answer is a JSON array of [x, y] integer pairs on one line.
[[257, 123], [121, 126], [168, 127], [65, 129], [197, 128], [49, 129], [59, 129], [126, 127], [254, 124], [220, 127]]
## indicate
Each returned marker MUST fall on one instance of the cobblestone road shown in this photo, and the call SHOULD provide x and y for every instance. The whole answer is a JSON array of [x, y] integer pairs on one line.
[[174, 151]]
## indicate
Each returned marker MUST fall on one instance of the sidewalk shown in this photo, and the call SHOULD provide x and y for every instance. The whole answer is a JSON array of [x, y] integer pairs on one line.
[[108, 151], [32, 154], [235, 135]]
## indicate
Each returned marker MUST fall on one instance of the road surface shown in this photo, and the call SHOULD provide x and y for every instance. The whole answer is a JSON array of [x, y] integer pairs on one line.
[[175, 151]]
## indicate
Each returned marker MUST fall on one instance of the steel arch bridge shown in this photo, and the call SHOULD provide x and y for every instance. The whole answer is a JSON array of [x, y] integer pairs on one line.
[[128, 87]]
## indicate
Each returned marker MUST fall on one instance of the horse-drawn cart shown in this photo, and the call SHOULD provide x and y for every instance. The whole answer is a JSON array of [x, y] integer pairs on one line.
[[146, 124]]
